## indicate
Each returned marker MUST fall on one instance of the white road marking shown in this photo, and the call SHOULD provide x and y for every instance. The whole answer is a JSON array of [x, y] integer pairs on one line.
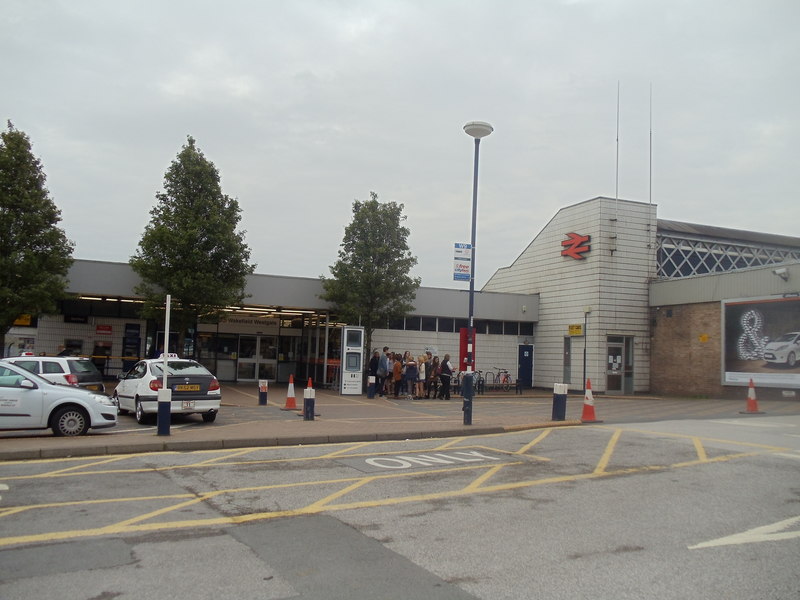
[[767, 533], [785, 455], [3, 486]]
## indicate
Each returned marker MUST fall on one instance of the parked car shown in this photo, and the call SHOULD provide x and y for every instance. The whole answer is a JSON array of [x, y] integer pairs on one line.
[[194, 389], [784, 350], [66, 370], [28, 401]]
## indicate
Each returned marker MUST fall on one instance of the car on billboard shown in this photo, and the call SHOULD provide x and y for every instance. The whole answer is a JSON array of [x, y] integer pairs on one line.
[[784, 350], [28, 401], [194, 389]]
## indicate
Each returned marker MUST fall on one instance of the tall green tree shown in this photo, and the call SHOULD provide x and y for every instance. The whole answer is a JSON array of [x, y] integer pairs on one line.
[[371, 284], [191, 248], [35, 254]]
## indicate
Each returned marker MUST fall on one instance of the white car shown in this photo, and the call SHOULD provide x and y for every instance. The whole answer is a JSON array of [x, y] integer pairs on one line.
[[66, 370], [194, 389], [784, 350], [27, 401]]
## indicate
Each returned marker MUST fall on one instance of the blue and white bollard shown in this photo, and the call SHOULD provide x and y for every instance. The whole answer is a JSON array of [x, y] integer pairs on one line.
[[263, 388], [371, 386]]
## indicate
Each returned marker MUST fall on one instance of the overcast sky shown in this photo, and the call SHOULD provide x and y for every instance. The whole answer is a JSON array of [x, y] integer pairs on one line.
[[306, 105]]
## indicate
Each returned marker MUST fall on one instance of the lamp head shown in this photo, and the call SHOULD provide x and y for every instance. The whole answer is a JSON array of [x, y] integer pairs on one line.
[[478, 129]]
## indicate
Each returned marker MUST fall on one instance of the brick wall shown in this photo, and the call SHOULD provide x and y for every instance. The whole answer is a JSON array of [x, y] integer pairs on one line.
[[686, 350]]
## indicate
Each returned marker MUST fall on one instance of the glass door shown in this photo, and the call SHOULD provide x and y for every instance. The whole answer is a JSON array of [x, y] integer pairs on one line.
[[614, 368], [257, 357]]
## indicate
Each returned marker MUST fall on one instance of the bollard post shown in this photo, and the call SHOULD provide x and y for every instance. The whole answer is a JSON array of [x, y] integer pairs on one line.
[[164, 415], [263, 388], [467, 392], [371, 386], [308, 404], [560, 401]]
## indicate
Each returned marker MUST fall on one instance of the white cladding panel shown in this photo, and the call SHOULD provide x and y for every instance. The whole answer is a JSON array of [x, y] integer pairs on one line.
[[612, 280]]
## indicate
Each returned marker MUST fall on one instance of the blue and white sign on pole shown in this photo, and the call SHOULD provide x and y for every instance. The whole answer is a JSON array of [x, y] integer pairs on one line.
[[462, 262]]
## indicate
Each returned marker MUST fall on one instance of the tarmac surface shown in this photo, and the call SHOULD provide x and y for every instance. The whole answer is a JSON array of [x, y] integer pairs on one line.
[[243, 422]]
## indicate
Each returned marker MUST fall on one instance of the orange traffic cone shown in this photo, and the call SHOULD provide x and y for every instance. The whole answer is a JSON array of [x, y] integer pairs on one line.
[[752, 401], [291, 403], [588, 415]]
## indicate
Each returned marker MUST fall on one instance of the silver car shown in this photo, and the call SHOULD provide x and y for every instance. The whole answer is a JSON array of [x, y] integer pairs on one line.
[[27, 401]]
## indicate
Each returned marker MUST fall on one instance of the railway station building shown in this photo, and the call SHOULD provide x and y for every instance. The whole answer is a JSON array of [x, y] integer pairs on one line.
[[606, 291]]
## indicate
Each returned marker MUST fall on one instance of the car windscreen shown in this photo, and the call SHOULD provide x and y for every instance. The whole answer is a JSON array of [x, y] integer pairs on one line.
[[180, 367], [786, 337]]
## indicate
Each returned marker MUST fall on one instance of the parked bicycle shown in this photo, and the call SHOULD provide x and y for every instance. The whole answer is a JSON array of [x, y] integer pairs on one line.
[[500, 380]]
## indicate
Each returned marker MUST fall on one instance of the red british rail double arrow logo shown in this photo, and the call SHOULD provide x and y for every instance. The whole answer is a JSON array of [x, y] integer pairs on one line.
[[576, 246]]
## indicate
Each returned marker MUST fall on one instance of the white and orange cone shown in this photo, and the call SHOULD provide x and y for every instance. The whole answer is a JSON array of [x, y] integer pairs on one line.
[[752, 401], [291, 402], [588, 415]]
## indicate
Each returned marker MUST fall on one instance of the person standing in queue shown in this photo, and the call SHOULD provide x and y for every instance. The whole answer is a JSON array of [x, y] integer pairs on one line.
[[382, 372], [444, 377], [410, 377], [433, 378], [372, 367], [397, 374]]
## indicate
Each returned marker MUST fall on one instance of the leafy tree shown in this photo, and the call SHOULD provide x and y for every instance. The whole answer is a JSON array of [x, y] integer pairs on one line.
[[35, 254], [371, 283], [191, 248]]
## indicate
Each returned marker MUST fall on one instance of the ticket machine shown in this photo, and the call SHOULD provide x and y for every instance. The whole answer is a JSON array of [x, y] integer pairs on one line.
[[352, 376]]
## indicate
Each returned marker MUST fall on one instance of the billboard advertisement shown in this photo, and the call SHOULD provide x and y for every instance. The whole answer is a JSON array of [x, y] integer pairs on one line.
[[762, 341]]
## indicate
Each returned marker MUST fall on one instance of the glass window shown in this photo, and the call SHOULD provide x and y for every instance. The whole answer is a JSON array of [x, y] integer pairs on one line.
[[428, 323], [460, 324], [28, 365], [180, 367], [495, 327], [526, 328], [446, 325], [247, 346], [51, 367], [413, 323], [511, 328], [397, 323]]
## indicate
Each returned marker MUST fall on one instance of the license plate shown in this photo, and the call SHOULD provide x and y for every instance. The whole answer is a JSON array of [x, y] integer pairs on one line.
[[191, 387], [187, 404]]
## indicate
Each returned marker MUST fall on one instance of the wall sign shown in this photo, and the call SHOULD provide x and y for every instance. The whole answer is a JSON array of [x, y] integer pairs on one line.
[[576, 246]]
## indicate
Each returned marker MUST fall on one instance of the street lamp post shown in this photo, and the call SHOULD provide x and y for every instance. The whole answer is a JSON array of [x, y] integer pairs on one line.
[[586, 312], [478, 130]]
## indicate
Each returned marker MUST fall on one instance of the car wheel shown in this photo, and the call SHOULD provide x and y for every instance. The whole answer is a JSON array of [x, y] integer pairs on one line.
[[120, 410], [70, 421], [791, 360], [209, 417], [141, 417]]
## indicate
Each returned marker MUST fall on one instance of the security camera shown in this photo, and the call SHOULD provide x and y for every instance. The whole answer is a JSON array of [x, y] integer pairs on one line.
[[783, 273]]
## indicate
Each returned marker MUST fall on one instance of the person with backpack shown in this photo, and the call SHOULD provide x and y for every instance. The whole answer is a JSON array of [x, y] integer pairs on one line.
[[446, 372]]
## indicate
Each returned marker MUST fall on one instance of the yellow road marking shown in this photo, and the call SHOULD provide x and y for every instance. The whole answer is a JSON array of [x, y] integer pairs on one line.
[[612, 444], [136, 524], [535, 441], [701, 451], [350, 488], [345, 450]]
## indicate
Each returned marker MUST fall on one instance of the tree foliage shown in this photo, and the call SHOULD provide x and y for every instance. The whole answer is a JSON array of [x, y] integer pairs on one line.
[[35, 254], [191, 248], [371, 284]]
